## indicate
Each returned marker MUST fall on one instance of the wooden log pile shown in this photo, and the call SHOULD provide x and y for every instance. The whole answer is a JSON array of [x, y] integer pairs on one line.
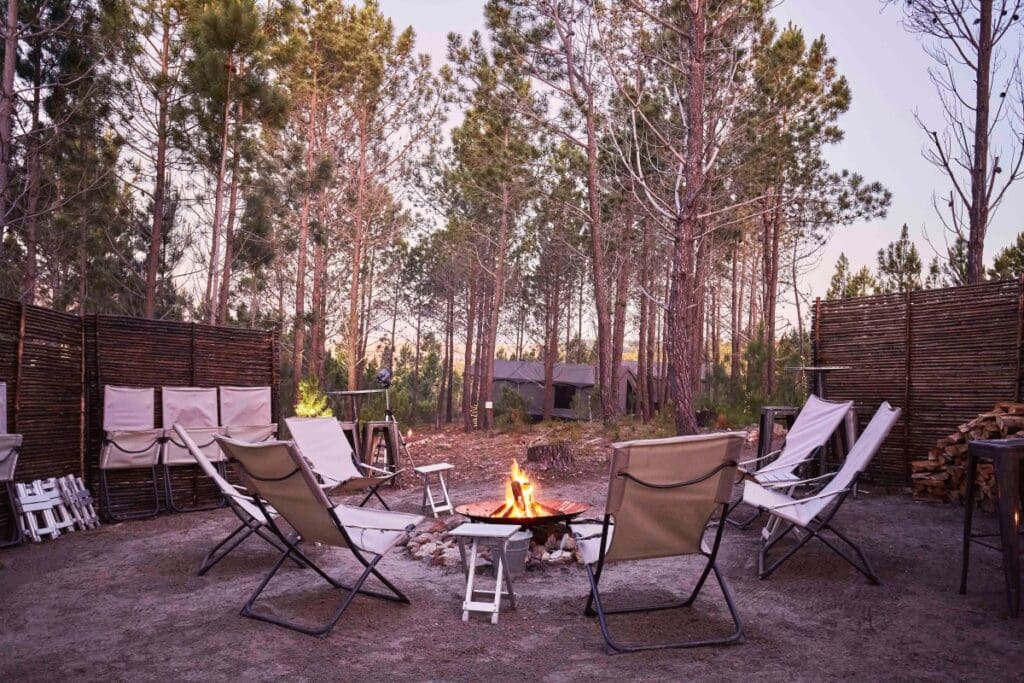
[[942, 477]]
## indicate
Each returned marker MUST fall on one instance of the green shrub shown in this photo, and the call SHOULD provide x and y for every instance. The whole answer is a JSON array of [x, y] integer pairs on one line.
[[312, 402]]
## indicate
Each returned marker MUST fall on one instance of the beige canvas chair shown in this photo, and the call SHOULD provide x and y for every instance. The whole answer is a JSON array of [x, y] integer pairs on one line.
[[194, 408], [661, 496], [9, 446], [323, 443], [813, 514], [239, 501], [246, 413], [814, 427], [280, 478], [130, 441]]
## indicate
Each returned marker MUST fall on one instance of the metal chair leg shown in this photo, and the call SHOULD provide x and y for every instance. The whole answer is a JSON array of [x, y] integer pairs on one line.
[[107, 504]]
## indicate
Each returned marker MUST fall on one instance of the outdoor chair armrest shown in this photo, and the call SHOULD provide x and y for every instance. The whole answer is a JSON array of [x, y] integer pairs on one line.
[[375, 469], [763, 457], [799, 482], [799, 501], [788, 465]]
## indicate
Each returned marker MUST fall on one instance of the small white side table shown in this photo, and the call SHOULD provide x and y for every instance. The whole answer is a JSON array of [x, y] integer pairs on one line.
[[496, 536], [445, 504]]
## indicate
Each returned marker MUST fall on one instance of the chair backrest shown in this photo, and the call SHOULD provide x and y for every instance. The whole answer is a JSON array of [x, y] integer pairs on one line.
[[236, 497], [127, 409], [859, 457], [280, 476], [322, 442], [9, 445], [189, 406], [3, 407], [245, 406], [814, 425], [663, 522]]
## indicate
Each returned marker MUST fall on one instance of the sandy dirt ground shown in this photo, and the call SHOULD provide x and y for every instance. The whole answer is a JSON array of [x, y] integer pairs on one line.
[[123, 602]]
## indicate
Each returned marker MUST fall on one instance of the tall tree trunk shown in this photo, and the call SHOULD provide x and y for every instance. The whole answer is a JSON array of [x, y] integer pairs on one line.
[[499, 269], [7, 103], [218, 202], [623, 280], [449, 400], [299, 333], [681, 329], [30, 280], [772, 223], [229, 228], [358, 230], [468, 393], [979, 209], [156, 236], [736, 315]]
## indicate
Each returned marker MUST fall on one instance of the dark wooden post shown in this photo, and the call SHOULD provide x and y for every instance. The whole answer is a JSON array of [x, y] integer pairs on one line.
[[908, 359], [15, 427]]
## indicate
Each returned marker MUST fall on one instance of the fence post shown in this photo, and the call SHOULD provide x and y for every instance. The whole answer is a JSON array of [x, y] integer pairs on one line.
[[1020, 336], [17, 370], [908, 359]]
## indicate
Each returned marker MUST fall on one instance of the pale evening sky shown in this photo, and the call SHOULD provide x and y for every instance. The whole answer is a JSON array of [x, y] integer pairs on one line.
[[887, 71]]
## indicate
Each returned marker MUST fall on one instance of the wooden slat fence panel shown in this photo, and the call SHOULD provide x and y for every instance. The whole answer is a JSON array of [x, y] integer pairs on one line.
[[56, 364], [942, 356]]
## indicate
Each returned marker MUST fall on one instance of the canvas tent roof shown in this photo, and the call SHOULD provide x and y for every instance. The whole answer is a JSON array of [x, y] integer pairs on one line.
[[521, 371]]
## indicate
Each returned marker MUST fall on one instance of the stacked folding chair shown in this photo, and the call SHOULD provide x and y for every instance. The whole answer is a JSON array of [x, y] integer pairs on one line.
[[9, 445], [130, 441], [245, 414], [43, 512], [195, 409]]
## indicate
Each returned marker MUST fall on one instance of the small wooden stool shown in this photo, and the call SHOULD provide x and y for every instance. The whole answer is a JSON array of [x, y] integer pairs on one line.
[[445, 504], [497, 536]]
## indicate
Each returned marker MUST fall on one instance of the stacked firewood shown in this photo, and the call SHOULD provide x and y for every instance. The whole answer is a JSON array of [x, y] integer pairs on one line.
[[943, 476]]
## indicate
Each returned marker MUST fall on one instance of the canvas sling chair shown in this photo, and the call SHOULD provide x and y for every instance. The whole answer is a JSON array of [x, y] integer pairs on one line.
[[194, 408], [323, 443], [811, 516], [661, 496], [9, 446], [130, 441], [810, 434], [246, 413], [252, 519], [279, 476]]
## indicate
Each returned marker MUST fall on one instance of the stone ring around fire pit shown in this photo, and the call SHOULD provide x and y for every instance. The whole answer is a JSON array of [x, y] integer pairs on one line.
[[545, 512]]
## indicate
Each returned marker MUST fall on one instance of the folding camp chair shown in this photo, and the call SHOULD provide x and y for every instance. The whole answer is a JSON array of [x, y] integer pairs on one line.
[[809, 436], [9, 445], [322, 442], [812, 515], [661, 495], [194, 408], [245, 413], [238, 500], [279, 476], [130, 442]]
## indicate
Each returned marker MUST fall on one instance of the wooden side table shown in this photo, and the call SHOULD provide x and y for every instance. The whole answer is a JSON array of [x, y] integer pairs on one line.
[[497, 536], [1006, 455]]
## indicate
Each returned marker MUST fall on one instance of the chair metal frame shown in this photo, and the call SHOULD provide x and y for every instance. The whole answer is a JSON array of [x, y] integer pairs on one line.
[[821, 523], [169, 489], [106, 502], [595, 605], [17, 535], [292, 551]]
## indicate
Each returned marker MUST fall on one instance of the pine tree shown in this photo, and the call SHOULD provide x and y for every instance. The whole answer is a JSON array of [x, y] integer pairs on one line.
[[1009, 261], [899, 266]]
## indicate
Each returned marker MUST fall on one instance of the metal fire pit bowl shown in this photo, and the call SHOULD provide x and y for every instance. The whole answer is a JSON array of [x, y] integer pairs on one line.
[[558, 511]]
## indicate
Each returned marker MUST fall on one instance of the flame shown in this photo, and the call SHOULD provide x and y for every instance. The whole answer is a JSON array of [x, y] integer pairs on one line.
[[408, 434], [520, 496]]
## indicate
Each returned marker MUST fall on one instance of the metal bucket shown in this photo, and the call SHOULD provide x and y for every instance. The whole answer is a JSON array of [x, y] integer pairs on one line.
[[515, 552]]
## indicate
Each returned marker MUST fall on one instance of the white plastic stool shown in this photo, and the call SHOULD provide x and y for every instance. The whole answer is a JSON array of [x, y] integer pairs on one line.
[[496, 535], [445, 505]]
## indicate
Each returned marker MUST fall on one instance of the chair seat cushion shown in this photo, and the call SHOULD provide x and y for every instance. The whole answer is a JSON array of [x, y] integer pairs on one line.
[[375, 531], [769, 499]]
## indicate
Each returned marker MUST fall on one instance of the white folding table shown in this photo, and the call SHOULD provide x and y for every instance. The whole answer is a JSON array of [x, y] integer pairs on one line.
[[496, 536], [439, 469]]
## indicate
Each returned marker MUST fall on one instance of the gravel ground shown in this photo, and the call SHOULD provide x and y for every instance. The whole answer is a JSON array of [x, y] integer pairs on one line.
[[123, 602]]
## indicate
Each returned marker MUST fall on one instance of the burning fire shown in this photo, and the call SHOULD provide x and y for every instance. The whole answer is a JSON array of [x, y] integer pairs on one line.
[[520, 496]]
